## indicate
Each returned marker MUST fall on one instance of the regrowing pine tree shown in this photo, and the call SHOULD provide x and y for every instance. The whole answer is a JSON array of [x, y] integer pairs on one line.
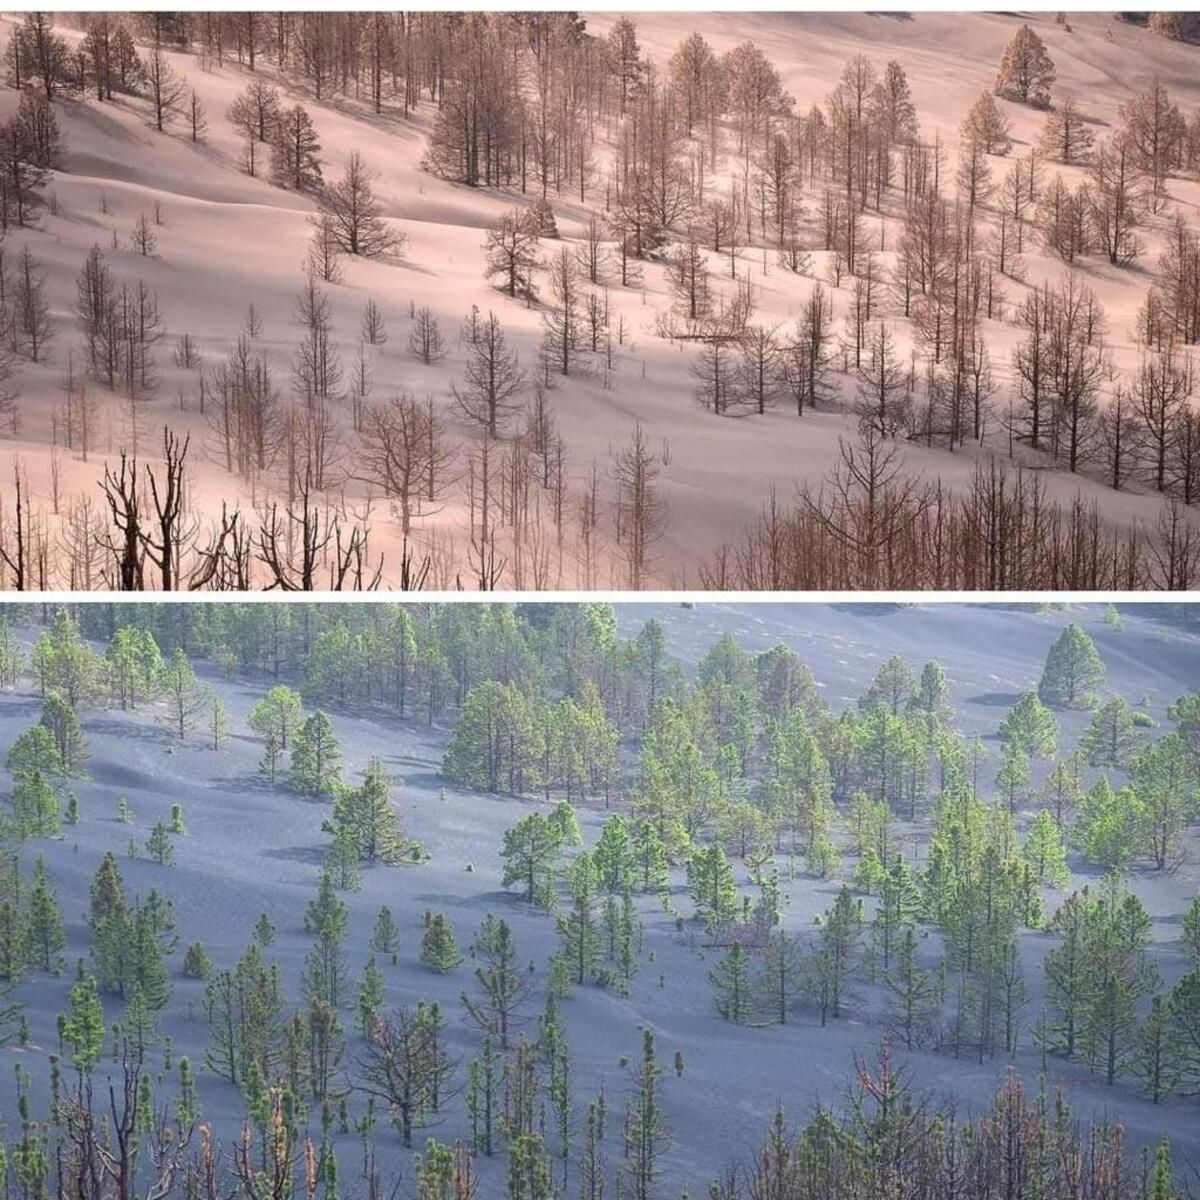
[[439, 948], [1073, 670], [531, 852], [316, 757]]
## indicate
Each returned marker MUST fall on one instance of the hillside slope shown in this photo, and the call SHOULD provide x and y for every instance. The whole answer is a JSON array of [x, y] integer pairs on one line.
[[252, 848], [227, 241]]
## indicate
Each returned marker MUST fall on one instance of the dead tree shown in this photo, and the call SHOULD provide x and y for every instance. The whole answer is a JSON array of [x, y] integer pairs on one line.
[[404, 453], [492, 381], [641, 513], [269, 1173], [223, 565], [107, 1153], [486, 564], [15, 552], [425, 338], [124, 506], [166, 551], [297, 543]]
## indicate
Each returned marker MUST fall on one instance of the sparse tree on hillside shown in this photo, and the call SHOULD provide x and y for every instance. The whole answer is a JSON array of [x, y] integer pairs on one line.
[[883, 386], [359, 226], [197, 117], [167, 90], [512, 252], [295, 151], [1116, 199], [492, 381], [641, 512], [1066, 136], [1155, 130], [809, 355], [373, 329], [562, 320], [254, 114], [425, 337], [1026, 71], [986, 124], [406, 454]]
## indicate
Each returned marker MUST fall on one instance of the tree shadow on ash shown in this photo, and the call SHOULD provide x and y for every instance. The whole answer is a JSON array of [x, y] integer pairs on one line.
[[122, 778], [995, 699], [246, 783], [127, 730], [427, 780], [483, 901], [309, 855]]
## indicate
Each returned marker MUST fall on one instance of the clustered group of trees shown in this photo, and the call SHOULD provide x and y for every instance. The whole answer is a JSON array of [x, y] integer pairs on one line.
[[750, 765], [856, 160], [721, 790], [537, 104]]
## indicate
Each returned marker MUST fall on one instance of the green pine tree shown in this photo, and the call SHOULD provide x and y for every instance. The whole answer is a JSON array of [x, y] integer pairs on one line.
[[439, 947], [316, 757], [1045, 852], [45, 934], [268, 765], [370, 819], [913, 993], [710, 879], [35, 751], [370, 996], [1191, 933], [186, 699], [35, 806], [278, 714], [1073, 670], [196, 962], [60, 718], [1013, 777], [1153, 1060], [836, 957], [614, 857], [651, 858], [531, 852], [1112, 738], [1107, 824], [578, 926], [385, 938], [159, 846], [83, 1025], [781, 978], [1031, 726], [646, 1135], [1162, 1185], [731, 979], [1183, 1004], [326, 905], [218, 721]]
